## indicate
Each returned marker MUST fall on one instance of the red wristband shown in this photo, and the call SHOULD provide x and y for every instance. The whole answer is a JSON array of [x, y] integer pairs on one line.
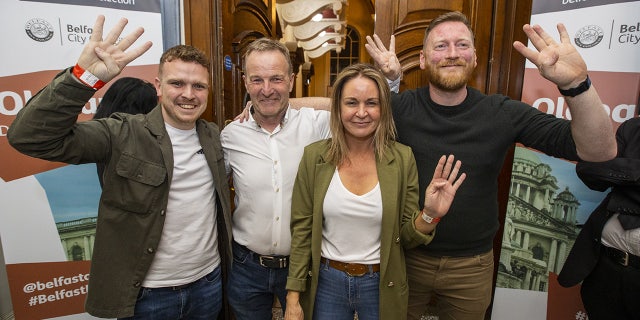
[[87, 77]]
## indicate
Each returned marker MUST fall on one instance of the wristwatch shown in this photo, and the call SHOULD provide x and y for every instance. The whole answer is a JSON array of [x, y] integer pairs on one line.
[[582, 87], [429, 219]]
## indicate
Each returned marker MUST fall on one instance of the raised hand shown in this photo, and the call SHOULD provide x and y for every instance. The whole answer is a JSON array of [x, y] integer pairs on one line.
[[560, 62], [385, 60], [105, 58], [443, 187]]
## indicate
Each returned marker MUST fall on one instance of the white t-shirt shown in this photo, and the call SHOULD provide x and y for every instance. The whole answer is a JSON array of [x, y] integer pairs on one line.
[[188, 248], [352, 224]]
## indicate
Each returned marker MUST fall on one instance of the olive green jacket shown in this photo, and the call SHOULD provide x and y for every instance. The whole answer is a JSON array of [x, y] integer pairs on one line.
[[398, 178], [138, 155]]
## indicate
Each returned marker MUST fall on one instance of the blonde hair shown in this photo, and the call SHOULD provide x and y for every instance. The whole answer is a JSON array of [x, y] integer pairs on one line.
[[385, 133]]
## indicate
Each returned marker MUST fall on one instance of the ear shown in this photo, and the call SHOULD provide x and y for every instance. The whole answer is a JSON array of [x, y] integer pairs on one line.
[[246, 85], [292, 81], [156, 83], [423, 60], [475, 58]]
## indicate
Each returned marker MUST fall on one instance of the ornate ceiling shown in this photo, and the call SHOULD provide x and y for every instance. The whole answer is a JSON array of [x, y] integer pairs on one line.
[[316, 26]]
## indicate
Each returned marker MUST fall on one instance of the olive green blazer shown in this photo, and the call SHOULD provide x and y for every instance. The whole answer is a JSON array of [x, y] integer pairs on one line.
[[398, 178]]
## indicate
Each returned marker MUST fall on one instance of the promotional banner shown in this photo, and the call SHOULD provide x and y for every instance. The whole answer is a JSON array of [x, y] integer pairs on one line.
[[48, 210], [548, 203]]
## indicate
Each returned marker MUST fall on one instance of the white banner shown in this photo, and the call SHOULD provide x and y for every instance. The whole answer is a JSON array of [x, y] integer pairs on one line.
[[48, 210]]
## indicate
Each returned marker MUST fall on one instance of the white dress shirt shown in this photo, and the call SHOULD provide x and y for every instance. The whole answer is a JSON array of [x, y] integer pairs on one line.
[[264, 166], [614, 235]]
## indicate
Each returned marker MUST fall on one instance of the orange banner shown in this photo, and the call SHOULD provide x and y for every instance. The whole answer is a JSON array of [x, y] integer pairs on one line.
[[49, 289]]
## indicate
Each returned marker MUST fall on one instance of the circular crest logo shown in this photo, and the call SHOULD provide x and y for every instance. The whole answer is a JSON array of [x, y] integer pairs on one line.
[[589, 36], [39, 30]]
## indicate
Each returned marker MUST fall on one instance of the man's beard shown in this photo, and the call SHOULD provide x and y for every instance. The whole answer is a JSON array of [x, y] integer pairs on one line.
[[449, 81]]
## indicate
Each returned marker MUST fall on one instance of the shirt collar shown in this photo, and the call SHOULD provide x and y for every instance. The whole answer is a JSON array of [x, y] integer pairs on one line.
[[256, 126]]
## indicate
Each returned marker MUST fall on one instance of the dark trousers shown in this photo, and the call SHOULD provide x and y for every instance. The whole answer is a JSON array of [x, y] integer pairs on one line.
[[612, 291]]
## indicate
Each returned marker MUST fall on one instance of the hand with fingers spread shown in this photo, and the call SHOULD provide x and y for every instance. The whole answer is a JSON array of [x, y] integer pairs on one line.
[[560, 62], [385, 60], [106, 57], [440, 192]]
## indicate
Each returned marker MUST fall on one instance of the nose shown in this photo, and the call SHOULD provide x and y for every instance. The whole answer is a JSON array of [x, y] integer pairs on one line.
[[361, 111], [187, 92], [452, 52], [267, 89]]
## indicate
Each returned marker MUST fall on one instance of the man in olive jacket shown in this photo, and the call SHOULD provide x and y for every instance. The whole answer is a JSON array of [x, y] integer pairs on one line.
[[163, 230]]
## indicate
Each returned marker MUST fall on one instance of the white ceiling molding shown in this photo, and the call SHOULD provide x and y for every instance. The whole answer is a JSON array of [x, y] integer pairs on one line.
[[315, 37], [300, 11], [319, 41], [322, 50], [312, 28]]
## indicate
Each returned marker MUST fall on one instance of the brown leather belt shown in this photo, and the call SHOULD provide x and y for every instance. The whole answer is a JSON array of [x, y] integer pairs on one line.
[[352, 269]]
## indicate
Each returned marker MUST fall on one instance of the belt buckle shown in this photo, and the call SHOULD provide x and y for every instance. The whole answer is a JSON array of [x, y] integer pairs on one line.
[[262, 260], [281, 262], [625, 260], [355, 270]]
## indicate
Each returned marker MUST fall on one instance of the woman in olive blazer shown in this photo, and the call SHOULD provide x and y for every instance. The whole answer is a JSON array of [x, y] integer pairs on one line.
[[395, 173]]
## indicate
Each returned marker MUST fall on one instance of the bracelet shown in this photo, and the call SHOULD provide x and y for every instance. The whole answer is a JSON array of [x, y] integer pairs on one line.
[[87, 77], [582, 87], [429, 219]]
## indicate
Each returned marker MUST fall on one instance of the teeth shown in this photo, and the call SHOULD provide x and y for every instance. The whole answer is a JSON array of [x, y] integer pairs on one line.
[[187, 106]]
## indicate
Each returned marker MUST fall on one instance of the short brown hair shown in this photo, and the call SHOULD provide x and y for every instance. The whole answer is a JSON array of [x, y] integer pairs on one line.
[[453, 16], [186, 54], [264, 45]]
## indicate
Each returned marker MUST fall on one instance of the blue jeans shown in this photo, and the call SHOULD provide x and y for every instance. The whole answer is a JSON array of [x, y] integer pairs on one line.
[[252, 286], [340, 296], [200, 300]]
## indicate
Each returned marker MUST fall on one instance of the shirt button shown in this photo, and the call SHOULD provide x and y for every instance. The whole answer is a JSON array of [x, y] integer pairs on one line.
[[390, 284], [398, 240], [137, 284], [277, 218], [162, 212], [150, 250]]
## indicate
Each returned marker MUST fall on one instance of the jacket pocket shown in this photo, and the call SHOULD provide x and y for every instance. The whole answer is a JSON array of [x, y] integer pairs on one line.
[[135, 188]]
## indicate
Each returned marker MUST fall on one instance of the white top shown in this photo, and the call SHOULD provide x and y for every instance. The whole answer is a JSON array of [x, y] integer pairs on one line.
[[352, 224], [613, 235], [188, 248], [263, 167]]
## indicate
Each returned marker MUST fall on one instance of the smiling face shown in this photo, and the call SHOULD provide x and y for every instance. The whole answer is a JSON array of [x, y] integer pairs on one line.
[[268, 81], [449, 56], [360, 108], [183, 89]]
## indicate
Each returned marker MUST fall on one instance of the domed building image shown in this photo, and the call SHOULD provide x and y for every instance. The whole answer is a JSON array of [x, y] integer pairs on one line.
[[540, 225]]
